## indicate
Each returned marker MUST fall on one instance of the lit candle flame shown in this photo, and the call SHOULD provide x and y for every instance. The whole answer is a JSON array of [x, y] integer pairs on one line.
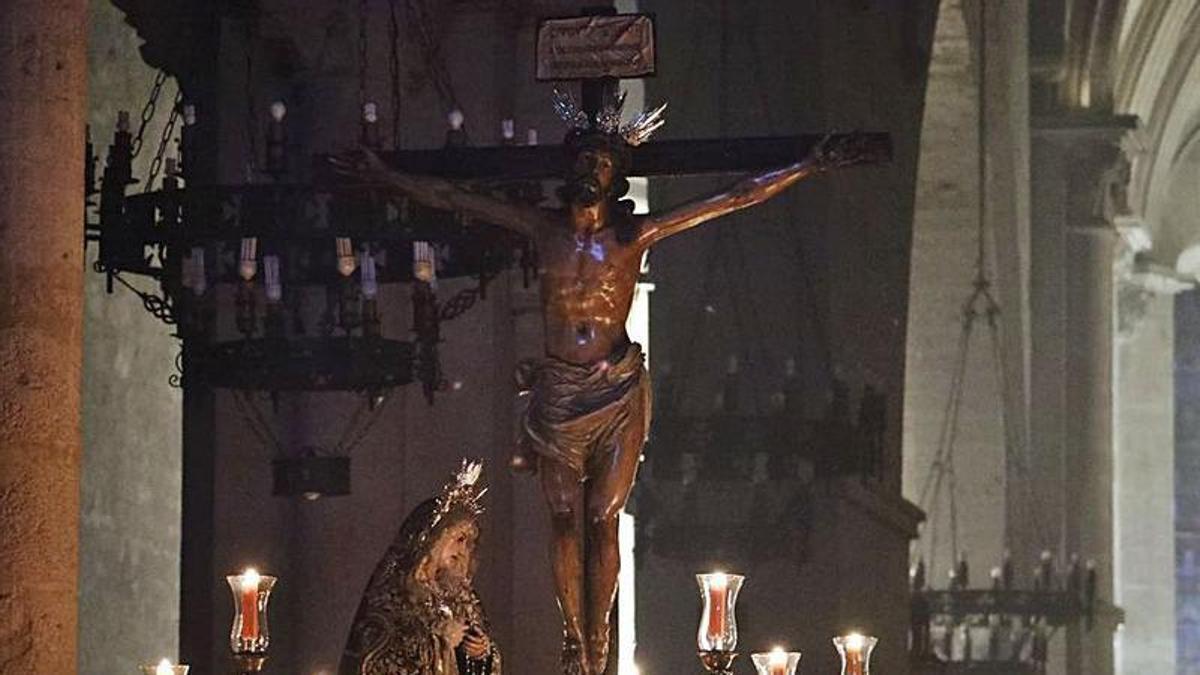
[[251, 578], [854, 642], [778, 657], [164, 668]]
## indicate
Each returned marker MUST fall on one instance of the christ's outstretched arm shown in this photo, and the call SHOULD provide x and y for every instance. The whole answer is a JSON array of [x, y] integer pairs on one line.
[[439, 193], [829, 154]]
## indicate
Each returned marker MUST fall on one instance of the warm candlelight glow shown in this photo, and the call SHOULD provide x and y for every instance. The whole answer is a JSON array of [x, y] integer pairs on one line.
[[251, 578], [164, 668], [777, 662], [854, 642]]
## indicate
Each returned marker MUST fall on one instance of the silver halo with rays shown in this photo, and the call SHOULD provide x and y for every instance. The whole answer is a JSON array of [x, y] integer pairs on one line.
[[608, 119]]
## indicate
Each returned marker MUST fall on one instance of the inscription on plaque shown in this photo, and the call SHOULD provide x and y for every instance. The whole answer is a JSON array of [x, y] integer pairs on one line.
[[586, 47]]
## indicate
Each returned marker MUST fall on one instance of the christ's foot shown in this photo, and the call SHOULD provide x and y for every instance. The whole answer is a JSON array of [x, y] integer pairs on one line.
[[574, 659], [598, 653]]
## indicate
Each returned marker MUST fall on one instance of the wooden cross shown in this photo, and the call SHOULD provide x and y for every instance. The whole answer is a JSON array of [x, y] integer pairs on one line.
[[599, 78]]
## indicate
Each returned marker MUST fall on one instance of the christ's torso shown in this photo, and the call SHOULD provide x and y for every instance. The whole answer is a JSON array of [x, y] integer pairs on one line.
[[587, 286]]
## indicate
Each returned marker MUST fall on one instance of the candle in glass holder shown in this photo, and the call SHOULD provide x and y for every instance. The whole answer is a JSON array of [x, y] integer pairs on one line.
[[249, 599], [776, 662], [855, 650], [718, 631]]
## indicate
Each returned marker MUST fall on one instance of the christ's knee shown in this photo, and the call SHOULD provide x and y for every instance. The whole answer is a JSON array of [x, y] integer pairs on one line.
[[563, 519], [602, 522]]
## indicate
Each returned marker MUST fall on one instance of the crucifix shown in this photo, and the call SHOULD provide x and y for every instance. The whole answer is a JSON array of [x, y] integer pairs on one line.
[[588, 399]]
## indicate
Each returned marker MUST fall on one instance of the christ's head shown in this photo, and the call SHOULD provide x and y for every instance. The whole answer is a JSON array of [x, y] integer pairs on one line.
[[598, 164]]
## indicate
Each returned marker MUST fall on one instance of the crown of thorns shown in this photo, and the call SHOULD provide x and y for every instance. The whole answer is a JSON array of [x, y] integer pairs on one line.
[[608, 119]]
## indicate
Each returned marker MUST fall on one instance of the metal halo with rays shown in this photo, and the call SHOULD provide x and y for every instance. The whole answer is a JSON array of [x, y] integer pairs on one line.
[[608, 119]]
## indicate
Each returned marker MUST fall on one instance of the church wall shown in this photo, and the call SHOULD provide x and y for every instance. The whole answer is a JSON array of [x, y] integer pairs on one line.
[[130, 493]]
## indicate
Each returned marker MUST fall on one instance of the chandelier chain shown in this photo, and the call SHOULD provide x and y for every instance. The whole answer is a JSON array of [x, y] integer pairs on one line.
[[357, 430], [251, 116], [394, 68], [362, 55], [164, 141], [148, 111]]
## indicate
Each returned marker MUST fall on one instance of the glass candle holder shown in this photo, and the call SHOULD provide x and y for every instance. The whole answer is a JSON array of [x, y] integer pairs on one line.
[[776, 662], [164, 667], [250, 634], [855, 650], [718, 619]]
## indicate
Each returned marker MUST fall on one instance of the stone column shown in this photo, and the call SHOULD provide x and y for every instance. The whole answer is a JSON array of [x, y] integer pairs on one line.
[[1144, 465], [43, 78], [1079, 175], [1095, 178]]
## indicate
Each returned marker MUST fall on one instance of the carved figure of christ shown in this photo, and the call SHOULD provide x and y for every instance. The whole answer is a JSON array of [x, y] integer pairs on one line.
[[589, 406]]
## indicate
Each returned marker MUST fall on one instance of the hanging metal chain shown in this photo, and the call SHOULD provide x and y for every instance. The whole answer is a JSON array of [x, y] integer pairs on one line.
[[255, 420], [357, 430], [394, 68], [431, 46], [148, 111], [251, 116], [362, 55], [167, 134]]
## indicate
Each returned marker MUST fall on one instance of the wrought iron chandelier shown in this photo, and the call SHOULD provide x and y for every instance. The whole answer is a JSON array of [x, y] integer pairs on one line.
[[304, 265]]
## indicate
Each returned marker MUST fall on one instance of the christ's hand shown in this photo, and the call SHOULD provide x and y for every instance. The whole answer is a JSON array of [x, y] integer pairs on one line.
[[837, 151]]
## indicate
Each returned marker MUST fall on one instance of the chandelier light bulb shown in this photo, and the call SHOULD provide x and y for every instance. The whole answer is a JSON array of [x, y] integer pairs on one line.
[[278, 111], [274, 288], [370, 285], [508, 129], [424, 262], [370, 112], [531, 136], [193, 273], [346, 263], [248, 262], [456, 119]]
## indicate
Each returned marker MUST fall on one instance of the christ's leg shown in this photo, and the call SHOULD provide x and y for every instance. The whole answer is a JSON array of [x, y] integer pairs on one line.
[[564, 495], [608, 490]]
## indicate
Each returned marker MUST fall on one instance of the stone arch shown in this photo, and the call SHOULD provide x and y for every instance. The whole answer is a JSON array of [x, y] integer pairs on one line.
[[1158, 79]]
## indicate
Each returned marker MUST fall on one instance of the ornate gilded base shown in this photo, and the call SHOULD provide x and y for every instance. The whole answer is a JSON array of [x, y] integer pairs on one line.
[[718, 662], [246, 664]]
